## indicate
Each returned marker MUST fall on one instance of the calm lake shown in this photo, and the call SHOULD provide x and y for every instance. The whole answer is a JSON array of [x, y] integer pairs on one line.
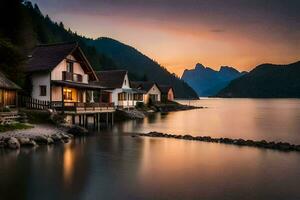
[[113, 165]]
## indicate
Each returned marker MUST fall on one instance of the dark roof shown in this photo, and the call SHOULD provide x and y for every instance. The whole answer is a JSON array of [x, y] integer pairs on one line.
[[112, 78], [47, 57], [146, 86], [5, 83], [165, 88]]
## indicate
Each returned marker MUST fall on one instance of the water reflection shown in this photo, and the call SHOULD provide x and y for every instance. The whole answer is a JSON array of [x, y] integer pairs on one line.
[[269, 119], [113, 165]]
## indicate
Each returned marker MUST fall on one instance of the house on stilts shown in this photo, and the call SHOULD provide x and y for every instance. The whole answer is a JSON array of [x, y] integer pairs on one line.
[[61, 75]]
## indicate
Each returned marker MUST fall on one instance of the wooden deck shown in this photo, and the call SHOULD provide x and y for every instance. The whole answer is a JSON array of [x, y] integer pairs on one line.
[[67, 107], [83, 108]]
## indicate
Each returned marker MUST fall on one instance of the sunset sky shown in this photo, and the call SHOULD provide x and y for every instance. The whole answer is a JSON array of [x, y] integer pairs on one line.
[[180, 33]]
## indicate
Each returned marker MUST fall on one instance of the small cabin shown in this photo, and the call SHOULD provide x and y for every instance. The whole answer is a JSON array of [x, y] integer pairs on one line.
[[167, 93], [8, 92], [117, 82], [151, 90]]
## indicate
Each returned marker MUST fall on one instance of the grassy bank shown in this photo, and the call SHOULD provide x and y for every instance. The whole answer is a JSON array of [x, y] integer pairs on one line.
[[15, 126]]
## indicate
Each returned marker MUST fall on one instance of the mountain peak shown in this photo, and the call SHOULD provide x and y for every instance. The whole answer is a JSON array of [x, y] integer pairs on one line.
[[199, 66], [228, 69], [208, 82]]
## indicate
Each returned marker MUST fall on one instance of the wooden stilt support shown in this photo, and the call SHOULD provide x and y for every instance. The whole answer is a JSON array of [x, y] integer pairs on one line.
[[73, 119], [99, 124], [107, 119], [86, 121], [94, 120]]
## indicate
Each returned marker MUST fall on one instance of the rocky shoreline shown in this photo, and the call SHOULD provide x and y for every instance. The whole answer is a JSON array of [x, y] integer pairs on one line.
[[280, 146], [40, 135]]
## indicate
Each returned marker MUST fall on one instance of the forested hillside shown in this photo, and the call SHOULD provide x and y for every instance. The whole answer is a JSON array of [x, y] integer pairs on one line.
[[23, 26], [144, 68], [266, 81]]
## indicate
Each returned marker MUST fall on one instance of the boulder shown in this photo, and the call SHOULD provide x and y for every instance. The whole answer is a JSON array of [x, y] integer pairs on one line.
[[13, 143], [78, 131], [56, 137], [283, 146], [50, 140], [188, 137], [41, 139], [26, 142], [155, 134], [2, 143]]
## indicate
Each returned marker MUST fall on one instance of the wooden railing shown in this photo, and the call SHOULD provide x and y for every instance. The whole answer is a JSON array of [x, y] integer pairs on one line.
[[31, 103], [69, 76], [78, 106]]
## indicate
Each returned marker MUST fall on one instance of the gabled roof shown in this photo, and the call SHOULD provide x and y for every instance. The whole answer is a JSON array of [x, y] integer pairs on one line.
[[165, 88], [47, 57], [141, 85], [5, 83], [111, 79]]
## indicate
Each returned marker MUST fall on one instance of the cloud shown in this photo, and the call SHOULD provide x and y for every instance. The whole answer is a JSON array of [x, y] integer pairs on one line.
[[217, 30]]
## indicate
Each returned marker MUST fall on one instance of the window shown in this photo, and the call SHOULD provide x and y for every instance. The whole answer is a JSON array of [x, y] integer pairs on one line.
[[69, 66], [125, 82], [43, 90], [122, 97], [67, 94]]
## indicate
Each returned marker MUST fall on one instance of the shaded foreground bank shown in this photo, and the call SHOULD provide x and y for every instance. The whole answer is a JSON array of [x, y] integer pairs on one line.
[[281, 146], [40, 135]]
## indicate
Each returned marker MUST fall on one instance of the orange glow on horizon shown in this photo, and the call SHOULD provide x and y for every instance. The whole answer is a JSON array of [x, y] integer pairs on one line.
[[179, 43]]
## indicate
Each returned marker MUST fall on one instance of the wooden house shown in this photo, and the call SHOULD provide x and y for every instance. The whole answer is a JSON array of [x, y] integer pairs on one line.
[[8, 92], [61, 74]]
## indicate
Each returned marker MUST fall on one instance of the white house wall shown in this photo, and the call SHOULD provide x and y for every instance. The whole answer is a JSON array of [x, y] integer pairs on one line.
[[40, 79]]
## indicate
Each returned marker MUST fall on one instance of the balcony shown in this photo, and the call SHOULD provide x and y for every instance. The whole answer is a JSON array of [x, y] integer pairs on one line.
[[69, 76], [82, 108]]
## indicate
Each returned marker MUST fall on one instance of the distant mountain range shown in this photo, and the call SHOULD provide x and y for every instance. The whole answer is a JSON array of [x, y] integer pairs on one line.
[[208, 82], [266, 81]]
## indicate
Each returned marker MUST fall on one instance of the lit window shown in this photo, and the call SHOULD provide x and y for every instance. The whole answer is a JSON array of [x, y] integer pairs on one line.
[[67, 94]]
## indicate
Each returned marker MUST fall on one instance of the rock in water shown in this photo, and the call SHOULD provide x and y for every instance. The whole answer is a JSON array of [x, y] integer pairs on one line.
[[26, 142], [41, 139], [13, 143], [78, 131]]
